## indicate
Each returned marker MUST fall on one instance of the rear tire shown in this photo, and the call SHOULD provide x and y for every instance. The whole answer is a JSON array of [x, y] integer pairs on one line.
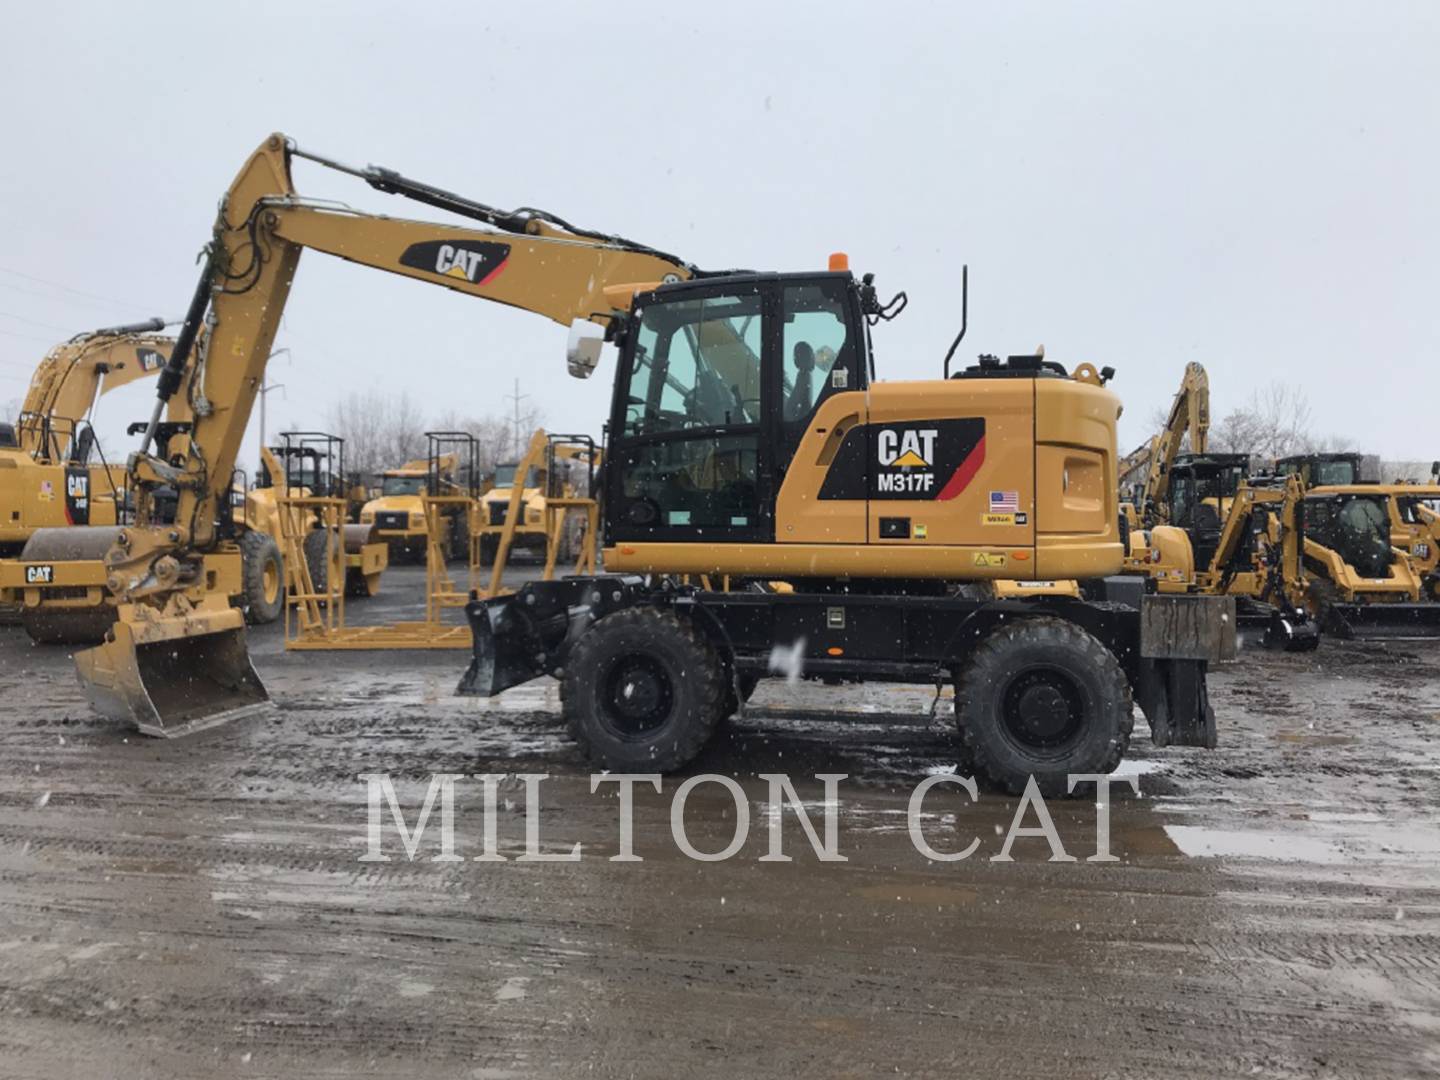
[[315, 545], [1041, 697], [459, 538], [642, 691], [262, 576]]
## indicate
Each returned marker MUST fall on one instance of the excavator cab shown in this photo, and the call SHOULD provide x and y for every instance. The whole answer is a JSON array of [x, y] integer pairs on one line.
[[1355, 526], [719, 381], [1201, 489], [1322, 470]]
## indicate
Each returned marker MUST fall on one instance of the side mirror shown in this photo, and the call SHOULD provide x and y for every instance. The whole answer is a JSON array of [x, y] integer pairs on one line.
[[582, 351]]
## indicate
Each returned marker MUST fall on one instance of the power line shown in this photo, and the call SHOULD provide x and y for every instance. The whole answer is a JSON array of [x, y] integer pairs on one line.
[[51, 298], [30, 337], [77, 292], [35, 322]]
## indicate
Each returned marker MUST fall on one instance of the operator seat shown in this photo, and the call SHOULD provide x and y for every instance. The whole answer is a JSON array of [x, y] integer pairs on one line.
[[802, 395]]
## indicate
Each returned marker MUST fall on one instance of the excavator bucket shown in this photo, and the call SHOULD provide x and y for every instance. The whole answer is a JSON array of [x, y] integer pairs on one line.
[[173, 675]]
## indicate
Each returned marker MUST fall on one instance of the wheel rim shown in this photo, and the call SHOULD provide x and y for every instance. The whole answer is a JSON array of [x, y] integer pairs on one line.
[[1042, 711], [270, 581], [637, 696]]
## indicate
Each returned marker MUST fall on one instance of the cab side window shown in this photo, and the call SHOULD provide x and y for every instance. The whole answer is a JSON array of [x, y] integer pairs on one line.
[[697, 365], [817, 356]]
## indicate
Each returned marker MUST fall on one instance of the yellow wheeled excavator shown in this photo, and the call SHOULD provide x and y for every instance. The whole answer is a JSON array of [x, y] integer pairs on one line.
[[748, 437]]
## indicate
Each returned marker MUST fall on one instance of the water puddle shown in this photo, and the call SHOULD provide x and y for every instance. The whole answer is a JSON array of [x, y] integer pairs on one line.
[[1199, 841]]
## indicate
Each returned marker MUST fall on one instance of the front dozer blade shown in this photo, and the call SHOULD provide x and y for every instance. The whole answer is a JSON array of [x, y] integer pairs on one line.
[[501, 650], [172, 676], [1380, 621]]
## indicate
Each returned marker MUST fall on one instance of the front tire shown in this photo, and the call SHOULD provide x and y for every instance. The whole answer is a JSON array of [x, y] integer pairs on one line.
[[262, 576], [642, 691], [1041, 697]]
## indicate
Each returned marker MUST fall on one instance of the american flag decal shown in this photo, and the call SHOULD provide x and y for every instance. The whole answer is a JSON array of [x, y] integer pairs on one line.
[[1004, 502]]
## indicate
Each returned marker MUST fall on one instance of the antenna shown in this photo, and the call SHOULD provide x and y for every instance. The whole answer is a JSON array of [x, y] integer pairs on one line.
[[964, 316]]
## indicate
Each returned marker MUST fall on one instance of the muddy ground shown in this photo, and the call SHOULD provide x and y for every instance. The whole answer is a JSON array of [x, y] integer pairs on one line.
[[199, 907]]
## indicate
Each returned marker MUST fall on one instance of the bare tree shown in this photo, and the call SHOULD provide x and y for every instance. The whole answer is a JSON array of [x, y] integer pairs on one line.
[[491, 433], [1274, 424], [380, 432], [1420, 472], [404, 432]]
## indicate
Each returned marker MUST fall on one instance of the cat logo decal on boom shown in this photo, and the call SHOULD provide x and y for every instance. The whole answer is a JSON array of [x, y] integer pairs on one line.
[[475, 262]]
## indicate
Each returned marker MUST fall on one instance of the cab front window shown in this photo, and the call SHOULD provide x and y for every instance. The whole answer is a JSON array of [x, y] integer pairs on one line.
[[403, 485]]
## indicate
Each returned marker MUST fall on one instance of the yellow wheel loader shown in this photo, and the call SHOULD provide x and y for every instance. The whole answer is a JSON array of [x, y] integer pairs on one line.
[[749, 437]]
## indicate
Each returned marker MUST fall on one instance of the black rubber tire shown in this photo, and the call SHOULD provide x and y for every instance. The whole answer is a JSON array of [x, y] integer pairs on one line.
[[653, 659], [1061, 676], [259, 559], [314, 546], [489, 546], [459, 538]]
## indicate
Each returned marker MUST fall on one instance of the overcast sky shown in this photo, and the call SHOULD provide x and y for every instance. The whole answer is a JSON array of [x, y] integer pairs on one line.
[[1250, 186]]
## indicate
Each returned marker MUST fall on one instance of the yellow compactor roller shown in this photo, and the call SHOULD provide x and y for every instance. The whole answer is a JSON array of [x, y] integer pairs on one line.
[[749, 437]]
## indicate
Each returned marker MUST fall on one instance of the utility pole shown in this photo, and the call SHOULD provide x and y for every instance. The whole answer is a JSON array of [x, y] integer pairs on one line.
[[517, 397], [265, 392]]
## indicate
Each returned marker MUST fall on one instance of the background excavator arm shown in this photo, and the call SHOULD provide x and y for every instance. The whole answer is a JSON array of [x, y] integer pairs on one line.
[[1189, 415], [72, 376]]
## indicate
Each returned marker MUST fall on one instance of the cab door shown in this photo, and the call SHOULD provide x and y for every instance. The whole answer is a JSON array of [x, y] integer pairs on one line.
[[688, 461], [819, 386]]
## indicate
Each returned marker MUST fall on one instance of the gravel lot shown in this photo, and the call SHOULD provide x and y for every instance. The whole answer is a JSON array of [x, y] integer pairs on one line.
[[200, 906]]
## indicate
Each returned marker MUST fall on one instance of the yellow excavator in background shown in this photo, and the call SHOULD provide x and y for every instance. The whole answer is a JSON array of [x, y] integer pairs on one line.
[[734, 451], [60, 510], [1144, 474], [47, 479]]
